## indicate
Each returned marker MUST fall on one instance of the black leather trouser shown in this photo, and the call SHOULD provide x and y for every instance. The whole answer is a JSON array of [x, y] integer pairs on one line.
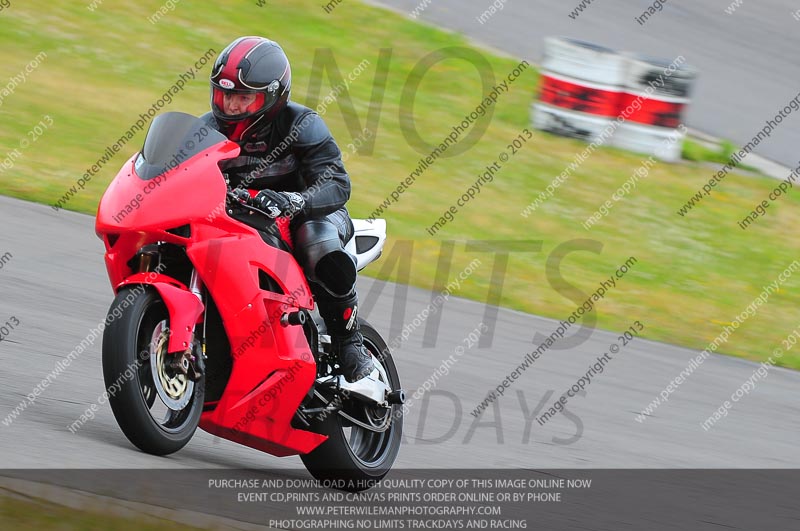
[[319, 249]]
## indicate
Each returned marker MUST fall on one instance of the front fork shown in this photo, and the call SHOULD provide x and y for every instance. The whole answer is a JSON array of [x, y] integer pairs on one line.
[[185, 306], [192, 361], [196, 285]]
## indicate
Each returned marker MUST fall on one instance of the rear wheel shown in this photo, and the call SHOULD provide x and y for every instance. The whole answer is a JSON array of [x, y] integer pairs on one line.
[[156, 406], [363, 440]]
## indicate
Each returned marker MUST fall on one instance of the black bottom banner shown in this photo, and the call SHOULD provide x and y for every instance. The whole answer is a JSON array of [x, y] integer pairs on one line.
[[610, 500]]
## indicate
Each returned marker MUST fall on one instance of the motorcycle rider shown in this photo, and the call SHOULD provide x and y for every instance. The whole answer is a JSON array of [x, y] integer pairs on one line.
[[289, 155]]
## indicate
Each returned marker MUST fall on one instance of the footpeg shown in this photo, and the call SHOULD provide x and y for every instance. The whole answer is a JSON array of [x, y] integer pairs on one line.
[[369, 388]]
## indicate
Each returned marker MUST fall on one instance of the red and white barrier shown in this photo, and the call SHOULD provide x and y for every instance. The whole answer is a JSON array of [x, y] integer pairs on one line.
[[662, 91], [581, 88], [585, 87]]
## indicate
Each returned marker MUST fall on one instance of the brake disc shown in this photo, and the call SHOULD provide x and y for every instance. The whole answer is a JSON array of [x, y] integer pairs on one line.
[[173, 387]]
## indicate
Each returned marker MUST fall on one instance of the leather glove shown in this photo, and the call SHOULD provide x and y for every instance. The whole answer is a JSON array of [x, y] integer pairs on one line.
[[277, 204]]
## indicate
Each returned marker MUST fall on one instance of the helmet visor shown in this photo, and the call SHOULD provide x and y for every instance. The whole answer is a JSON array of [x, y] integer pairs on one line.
[[235, 105]]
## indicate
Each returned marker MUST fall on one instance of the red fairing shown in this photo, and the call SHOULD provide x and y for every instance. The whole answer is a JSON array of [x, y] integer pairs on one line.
[[273, 367], [184, 308], [187, 193]]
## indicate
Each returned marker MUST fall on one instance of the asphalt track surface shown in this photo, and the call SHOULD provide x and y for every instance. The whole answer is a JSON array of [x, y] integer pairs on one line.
[[747, 61], [55, 286]]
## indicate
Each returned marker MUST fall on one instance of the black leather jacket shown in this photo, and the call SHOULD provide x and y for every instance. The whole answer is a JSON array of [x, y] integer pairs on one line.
[[295, 153]]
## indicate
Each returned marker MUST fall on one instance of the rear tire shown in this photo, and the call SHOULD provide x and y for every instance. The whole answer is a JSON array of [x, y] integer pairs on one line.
[[353, 458], [128, 345]]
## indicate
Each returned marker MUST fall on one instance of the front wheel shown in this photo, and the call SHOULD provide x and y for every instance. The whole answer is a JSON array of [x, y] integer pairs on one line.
[[156, 406], [363, 440]]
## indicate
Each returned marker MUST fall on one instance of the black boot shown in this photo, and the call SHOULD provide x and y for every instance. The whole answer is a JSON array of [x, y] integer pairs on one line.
[[341, 318]]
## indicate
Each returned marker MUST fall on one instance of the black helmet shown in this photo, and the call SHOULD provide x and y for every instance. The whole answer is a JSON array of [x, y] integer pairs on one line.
[[251, 66]]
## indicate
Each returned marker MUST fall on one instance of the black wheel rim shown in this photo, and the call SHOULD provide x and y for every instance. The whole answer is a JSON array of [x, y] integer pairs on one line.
[[372, 448]]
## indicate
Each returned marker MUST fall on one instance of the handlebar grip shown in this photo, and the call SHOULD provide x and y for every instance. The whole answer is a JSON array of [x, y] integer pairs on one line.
[[242, 196]]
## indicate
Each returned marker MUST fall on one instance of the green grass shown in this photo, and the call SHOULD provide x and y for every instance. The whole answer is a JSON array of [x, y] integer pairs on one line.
[[697, 152], [695, 273], [37, 515]]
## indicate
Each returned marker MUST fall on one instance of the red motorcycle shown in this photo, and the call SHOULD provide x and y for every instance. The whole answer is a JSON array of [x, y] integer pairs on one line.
[[212, 325]]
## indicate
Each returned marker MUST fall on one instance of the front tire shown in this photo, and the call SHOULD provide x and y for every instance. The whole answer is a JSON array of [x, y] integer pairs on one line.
[[354, 458], [158, 417]]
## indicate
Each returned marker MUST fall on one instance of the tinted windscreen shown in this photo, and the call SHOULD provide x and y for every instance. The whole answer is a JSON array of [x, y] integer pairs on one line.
[[173, 138]]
